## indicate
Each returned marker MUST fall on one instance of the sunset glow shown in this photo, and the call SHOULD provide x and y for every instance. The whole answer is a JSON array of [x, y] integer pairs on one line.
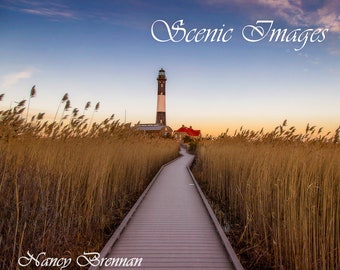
[[106, 52]]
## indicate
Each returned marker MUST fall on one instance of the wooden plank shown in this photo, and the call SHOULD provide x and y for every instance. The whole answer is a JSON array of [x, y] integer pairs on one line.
[[107, 248], [236, 262], [170, 227]]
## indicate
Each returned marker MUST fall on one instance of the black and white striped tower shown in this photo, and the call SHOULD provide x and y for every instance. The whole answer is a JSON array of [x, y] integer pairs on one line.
[[161, 117]]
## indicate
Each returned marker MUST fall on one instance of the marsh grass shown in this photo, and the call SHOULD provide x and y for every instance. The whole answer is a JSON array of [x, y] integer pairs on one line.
[[65, 186], [279, 192]]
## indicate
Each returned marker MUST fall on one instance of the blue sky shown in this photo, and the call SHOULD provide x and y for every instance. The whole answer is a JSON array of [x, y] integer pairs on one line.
[[103, 51]]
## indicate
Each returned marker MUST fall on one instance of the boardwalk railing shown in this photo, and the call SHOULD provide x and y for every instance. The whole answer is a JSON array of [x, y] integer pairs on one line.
[[230, 251]]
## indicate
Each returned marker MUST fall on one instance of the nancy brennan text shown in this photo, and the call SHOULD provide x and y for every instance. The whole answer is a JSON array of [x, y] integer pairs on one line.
[[87, 259], [262, 30]]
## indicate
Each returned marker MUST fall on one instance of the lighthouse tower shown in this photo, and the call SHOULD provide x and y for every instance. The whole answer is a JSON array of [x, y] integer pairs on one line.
[[160, 116]]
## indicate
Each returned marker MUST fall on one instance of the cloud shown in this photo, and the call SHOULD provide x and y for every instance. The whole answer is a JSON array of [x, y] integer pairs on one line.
[[13, 78], [330, 18], [49, 9], [319, 13], [75, 10], [50, 12]]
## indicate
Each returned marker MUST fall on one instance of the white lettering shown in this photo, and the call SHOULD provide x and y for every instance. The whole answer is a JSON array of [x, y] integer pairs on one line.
[[262, 28], [40, 261], [94, 259], [177, 33], [256, 33], [175, 27], [161, 31]]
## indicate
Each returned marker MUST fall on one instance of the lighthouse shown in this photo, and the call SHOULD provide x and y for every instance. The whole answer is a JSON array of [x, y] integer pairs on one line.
[[159, 128], [160, 116]]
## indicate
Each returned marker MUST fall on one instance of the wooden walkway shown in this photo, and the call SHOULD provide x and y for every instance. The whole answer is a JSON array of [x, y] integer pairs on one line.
[[172, 226]]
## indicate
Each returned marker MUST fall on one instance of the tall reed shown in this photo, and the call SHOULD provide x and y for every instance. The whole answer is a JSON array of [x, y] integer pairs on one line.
[[282, 192], [64, 188]]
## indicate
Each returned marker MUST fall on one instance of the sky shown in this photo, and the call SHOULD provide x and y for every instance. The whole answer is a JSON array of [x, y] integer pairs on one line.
[[104, 51]]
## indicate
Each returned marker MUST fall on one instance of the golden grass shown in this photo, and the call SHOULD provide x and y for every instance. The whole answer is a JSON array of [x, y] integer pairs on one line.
[[281, 191], [64, 187]]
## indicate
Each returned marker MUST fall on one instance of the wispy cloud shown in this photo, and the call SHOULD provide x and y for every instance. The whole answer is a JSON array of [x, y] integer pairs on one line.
[[13, 78], [50, 12], [50, 9], [329, 17], [126, 14], [294, 12]]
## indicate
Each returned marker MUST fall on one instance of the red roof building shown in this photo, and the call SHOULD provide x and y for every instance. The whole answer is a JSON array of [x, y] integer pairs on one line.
[[184, 131]]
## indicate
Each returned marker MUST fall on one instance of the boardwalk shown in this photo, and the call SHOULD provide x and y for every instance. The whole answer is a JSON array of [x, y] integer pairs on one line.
[[172, 228]]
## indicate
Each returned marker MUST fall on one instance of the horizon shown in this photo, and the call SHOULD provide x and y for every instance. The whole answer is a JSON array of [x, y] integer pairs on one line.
[[106, 53]]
